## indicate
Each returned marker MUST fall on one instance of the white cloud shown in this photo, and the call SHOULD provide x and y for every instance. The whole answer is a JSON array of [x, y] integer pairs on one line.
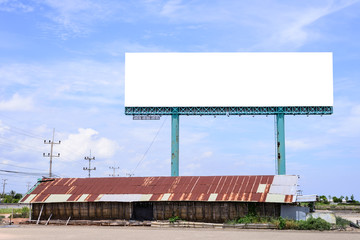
[[192, 167], [14, 6], [119, 48], [61, 81], [17, 103], [207, 154], [297, 144], [85, 140], [348, 124], [189, 138], [274, 24], [72, 18], [3, 127], [291, 28], [302, 144], [171, 7], [68, 18]]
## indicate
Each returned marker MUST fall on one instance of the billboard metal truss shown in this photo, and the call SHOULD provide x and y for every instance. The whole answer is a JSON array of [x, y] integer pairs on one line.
[[229, 110], [146, 113]]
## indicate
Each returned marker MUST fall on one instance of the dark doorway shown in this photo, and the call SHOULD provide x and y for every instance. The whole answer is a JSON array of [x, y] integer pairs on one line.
[[142, 211]]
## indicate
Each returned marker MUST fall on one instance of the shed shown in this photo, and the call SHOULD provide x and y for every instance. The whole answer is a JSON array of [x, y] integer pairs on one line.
[[193, 198]]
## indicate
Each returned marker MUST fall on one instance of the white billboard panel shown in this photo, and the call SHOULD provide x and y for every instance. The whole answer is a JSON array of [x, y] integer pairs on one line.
[[228, 79]]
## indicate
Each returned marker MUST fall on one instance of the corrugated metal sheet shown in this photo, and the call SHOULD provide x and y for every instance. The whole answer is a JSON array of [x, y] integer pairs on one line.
[[285, 189], [306, 198], [285, 180], [279, 198], [261, 188], [120, 198], [57, 198], [165, 197], [213, 197], [186, 188], [28, 198], [82, 198]]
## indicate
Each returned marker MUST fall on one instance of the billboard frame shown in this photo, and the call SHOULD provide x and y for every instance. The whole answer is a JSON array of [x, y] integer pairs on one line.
[[314, 110], [300, 105]]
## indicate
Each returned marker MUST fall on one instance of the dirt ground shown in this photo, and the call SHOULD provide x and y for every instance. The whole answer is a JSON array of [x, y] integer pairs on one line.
[[32, 232], [6, 220], [351, 216]]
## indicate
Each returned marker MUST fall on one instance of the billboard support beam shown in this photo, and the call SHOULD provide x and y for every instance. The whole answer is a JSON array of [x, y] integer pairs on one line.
[[211, 111], [280, 136], [175, 143]]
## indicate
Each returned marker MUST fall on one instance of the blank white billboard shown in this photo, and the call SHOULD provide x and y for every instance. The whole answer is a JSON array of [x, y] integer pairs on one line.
[[228, 79]]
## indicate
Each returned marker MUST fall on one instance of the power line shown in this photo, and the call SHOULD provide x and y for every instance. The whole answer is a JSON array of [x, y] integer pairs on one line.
[[14, 145], [20, 130], [8, 164], [147, 150], [30, 134], [24, 173]]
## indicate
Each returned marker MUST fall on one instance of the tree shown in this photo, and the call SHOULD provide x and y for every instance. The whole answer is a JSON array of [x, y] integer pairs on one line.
[[352, 198], [323, 199], [13, 197]]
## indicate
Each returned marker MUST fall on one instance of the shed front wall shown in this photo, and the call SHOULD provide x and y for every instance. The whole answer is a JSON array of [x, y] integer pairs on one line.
[[190, 211]]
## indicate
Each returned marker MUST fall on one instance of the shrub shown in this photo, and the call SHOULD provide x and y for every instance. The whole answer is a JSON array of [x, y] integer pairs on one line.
[[19, 213], [174, 219], [250, 218], [342, 223], [282, 223], [314, 224], [291, 224]]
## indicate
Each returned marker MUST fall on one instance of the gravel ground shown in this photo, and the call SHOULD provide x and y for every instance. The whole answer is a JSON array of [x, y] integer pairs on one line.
[[32, 232]]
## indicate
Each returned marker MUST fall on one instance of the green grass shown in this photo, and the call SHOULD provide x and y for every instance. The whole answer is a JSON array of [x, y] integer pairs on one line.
[[342, 223], [314, 224], [282, 223], [174, 219], [252, 218], [18, 212]]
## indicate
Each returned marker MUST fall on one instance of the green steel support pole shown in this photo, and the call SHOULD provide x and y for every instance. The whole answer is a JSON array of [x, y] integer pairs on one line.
[[175, 145], [280, 127]]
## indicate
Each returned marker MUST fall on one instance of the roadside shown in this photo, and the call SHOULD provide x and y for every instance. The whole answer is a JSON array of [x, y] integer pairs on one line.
[[34, 232]]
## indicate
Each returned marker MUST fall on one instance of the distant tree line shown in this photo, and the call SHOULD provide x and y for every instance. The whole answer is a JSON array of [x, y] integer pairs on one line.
[[326, 200], [12, 197]]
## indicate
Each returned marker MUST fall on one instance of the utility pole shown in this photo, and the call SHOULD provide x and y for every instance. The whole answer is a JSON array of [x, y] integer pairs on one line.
[[89, 168], [50, 155], [114, 169], [4, 183], [28, 186]]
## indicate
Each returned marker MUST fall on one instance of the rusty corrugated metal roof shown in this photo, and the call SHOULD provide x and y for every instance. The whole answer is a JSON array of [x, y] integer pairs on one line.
[[186, 188]]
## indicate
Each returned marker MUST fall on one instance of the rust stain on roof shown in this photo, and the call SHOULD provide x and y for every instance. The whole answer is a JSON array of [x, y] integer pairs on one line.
[[184, 188]]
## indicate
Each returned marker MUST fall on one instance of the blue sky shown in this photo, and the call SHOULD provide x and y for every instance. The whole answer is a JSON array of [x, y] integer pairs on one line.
[[62, 67]]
